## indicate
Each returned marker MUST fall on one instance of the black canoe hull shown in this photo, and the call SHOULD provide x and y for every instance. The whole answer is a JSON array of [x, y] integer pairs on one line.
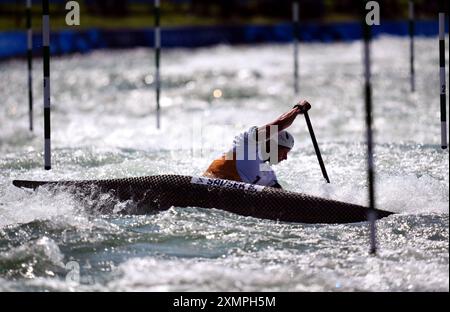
[[156, 193]]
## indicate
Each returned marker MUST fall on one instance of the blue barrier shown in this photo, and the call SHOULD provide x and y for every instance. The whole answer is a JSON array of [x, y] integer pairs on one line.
[[13, 44]]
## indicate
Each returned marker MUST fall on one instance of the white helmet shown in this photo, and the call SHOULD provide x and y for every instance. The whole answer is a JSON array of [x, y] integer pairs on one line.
[[285, 139]]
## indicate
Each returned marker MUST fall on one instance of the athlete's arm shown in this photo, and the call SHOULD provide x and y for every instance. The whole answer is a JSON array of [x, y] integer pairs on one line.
[[285, 120]]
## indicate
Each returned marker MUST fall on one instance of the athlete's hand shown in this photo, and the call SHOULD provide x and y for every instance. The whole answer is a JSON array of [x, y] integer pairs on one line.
[[302, 107]]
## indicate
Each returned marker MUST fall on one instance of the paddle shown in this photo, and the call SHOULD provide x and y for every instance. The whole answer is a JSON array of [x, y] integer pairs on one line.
[[316, 147]]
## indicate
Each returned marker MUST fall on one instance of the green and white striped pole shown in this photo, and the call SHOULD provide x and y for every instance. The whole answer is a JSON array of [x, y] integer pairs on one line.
[[411, 45], [30, 63], [46, 54], [295, 25], [157, 61], [443, 96]]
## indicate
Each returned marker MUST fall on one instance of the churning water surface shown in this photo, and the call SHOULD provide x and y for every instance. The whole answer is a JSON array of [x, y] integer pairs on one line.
[[103, 126]]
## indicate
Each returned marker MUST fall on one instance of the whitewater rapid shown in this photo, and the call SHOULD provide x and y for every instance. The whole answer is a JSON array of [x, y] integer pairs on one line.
[[103, 126]]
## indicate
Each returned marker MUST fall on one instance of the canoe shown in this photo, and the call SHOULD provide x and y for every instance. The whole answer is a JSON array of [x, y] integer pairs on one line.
[[151, 194]]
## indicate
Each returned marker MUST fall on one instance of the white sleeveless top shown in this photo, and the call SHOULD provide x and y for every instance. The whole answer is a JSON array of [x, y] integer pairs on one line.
[[249, 165]]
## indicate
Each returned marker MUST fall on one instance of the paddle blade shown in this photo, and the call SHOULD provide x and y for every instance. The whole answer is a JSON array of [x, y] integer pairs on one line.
[[28, 184]]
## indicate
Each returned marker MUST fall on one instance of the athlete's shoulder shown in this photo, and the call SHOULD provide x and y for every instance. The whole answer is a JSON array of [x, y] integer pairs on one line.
[[250, 133]]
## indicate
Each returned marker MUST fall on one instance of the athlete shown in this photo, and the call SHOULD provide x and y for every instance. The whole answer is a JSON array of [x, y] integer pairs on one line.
[[255, 150]]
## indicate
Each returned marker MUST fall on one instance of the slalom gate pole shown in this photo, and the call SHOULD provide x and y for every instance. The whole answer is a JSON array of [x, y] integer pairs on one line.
[[368, 105], [411, 45], [157, 61], [295, 26], [46, 55], [30, 63], [443, 96]]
